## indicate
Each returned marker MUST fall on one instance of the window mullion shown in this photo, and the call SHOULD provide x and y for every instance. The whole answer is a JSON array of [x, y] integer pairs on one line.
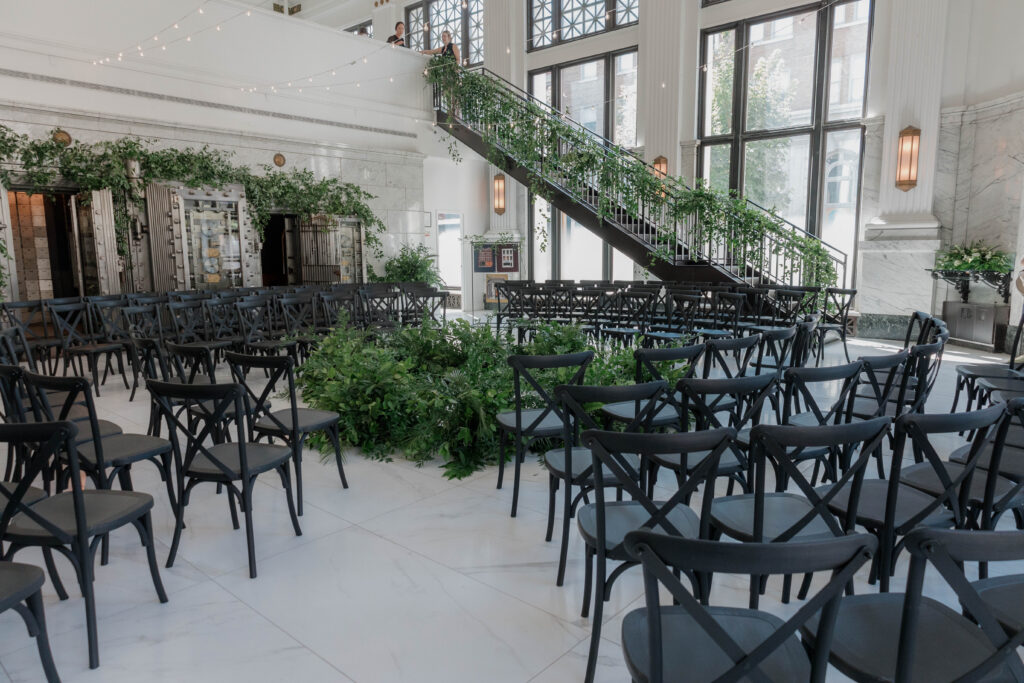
[[823, 43], [739, 107]]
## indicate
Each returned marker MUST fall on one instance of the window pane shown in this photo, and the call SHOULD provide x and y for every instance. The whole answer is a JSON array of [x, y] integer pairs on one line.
[[625, 100], [716, 166], [848, 60], [780, 60], [540, 86], [839, 197], [445, 15], [583, 94], [542, 22], [627, 11], [475, 17], [622, 266], [415, 27], [449, 249], [541, 240], [582, 252], [718, 82], [775, 175], [581, 18]]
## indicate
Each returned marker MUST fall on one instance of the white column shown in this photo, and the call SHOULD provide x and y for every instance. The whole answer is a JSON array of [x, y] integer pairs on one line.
[[667, 71], [505, 39], [901, 233]]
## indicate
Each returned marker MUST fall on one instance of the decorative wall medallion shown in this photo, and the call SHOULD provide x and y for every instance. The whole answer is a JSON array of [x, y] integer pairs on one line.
[[279, 160], [62, 137]]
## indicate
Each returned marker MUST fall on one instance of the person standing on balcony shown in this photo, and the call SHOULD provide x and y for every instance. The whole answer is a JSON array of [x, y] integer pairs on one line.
[[398, 38], [447, 49]]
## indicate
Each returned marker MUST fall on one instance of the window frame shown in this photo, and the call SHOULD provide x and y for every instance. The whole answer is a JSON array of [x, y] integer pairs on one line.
[[819, 126], [611, 23], [554, 250], [354, 30], [463, 42]]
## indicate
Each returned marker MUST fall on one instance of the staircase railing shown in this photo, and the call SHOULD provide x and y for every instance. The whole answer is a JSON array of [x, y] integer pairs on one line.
[[602, 176]]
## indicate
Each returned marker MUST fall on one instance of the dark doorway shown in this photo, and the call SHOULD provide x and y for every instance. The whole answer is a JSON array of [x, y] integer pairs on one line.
[[44, 245], [277, 254]]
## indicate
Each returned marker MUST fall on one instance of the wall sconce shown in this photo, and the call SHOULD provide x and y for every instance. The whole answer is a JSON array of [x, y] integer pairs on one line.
[[499, 193], [661, 167], [906, 160]]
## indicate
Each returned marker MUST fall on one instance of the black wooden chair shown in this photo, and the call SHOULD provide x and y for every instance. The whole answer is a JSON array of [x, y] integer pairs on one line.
[[835, 316], [968, 375], [33, 319], [912, 637], [202, 453], [79, 340], [525, 425], [293, 425], [73, 522], [660, 642], [604, 524], [652, 365]]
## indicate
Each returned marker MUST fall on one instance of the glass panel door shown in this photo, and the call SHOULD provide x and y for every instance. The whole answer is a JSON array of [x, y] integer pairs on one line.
[[214, 245]]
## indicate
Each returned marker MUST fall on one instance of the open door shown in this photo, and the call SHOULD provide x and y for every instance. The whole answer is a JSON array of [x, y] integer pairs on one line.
[[331, 250], [97, 243], [10, 288]]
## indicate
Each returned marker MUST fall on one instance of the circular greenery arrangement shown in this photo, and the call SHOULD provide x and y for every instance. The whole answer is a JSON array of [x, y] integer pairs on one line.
[[126, 165], [553, 150]]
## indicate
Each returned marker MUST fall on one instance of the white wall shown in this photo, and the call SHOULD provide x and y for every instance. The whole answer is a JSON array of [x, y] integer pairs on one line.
[[985, 53]]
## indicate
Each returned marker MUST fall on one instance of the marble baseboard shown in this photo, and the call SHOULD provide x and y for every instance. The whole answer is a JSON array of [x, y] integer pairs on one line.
[[882, 326]]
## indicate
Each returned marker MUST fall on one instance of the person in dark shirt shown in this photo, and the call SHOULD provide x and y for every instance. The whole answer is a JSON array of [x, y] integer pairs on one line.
[[399, 37], [447, 49], [362, 31]]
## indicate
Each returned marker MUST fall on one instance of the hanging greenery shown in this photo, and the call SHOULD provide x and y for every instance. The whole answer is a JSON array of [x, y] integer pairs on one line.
[[554, 151], [42, 163]]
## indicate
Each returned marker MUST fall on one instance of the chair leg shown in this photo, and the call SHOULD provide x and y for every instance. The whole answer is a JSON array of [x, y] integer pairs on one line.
[[588, 582], [552, 489], [51, 569], [231, 507], [35, 608], [145, 529], [250, 540], [85, 580], [286, 482], [515, 481], [566, 516], [501, 456], [595, 624], [120, 368], [297, 457], [94, 370], [179, 523], [332, 434]]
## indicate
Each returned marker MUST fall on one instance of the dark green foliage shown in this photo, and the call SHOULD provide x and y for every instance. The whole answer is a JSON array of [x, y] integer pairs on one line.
[[434, 391], [412, 264]]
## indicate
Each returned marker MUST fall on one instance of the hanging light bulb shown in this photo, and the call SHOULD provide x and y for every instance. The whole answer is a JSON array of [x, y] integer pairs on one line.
[[310, 80], [156, 38], [189, 39], [248, 12], [163, 47], [201, 10], [365, 60], [218, 27], [175, 26]]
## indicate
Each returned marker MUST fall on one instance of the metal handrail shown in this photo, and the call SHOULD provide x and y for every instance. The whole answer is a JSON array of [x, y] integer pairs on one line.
[[689, 234]]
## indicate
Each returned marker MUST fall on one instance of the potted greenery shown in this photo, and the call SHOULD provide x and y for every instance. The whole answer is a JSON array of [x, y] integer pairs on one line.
[[411, 264], [961, 264]]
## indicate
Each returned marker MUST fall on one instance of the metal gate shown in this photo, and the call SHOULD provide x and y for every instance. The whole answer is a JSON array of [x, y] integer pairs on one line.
[[331, 250]]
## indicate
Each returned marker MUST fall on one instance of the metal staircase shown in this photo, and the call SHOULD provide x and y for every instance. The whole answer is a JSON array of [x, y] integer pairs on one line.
[[673, 249]]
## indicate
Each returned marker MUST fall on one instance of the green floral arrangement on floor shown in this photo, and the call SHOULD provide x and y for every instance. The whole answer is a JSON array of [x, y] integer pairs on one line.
[[974, 256], [434, 391], [411, 264]]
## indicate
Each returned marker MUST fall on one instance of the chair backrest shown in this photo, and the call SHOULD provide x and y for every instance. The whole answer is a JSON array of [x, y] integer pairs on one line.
[[654, 364], [43, 444], [31, 316], [881, 378], [726, 401], [189, 320], [799, 395], [664, 556], [682, 309], [142, 320], [947, 550], [77, 391], [836, 304], [221, 318], [334, 304], [72, 324], [152, 358], [299, 313], [781, 447], [12, 392], [207, 411], [279, 370], [107, 313], [528, 368], [730, 356], [255, 319], [775, 352], [612, 454], [727, 308], [914, 433]]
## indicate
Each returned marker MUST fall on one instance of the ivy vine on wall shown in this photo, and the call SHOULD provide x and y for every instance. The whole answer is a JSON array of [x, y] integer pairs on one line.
[[555, 151], [39, 164]]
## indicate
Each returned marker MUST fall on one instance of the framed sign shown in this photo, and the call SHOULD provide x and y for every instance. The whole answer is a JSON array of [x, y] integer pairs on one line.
[[507, 258], [483, 258]]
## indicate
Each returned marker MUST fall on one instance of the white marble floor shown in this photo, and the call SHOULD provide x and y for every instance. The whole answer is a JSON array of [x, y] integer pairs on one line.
[[406, 576]]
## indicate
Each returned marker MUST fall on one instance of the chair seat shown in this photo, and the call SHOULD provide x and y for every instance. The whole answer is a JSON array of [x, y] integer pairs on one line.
[[1011, 384], [104, 511], [17, 582], [89, 349], [273, 344], [106, 427], [727, 463], [551, 425], [621, 517], [32, 495], [260, 457], [923, 477], [1011, 464], [627, 411], [987, 370], [867, 635], [1005, 597], [871, 506], [582, 460], [734, 515], [124, 449], [714, 332], [309, 420], [688, 648]]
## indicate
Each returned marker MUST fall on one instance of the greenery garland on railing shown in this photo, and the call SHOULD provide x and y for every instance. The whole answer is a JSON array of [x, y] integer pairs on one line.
[[39, 164], [721, 217]]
